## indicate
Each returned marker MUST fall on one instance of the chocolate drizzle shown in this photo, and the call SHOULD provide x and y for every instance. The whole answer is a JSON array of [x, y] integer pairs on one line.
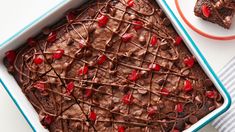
[[120, 88]]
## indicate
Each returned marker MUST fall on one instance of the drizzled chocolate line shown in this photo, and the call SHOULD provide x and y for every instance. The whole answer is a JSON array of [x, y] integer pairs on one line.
[[29, 73]]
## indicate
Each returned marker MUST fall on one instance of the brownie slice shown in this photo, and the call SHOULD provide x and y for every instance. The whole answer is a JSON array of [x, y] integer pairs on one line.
[[216, 11]]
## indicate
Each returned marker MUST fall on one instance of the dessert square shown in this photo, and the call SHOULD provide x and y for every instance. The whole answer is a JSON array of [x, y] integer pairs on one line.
[[216, 11], [113, 65]]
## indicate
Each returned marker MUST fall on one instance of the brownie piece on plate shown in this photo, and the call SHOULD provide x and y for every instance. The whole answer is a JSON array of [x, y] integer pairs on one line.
[[216, 11]]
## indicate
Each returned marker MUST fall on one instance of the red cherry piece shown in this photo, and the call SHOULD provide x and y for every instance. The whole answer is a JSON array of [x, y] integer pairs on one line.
[[127, 37], [178, 40], [39, 85], [137, 25], [155, 67], [175, 130], [210, 94], [121, 129], [206, 11], [38, 60], [52, 37], [101, 59], [189, 61], [179, 107], [154, 40], [88, 93], [58, 55], [151, 111], [31, 42], [133, 76], [103, 20], [130, 3], [48, 119], [127, 99], [165, 92], [83, 70], [70, 16], [10, 56], [187, 86], [92, 116], [69, 88]]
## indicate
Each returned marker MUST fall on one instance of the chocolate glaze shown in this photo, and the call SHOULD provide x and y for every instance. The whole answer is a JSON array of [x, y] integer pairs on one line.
[[109, 82]]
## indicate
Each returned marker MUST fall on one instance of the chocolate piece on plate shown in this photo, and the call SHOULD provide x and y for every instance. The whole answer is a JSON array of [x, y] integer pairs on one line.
[[220, 12]]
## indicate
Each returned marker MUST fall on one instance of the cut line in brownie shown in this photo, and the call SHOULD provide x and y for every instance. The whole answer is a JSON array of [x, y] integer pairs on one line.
[[216, 11], [113, 66]]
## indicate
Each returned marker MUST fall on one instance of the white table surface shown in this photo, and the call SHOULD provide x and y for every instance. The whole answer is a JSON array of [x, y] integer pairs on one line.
[[15, 14]]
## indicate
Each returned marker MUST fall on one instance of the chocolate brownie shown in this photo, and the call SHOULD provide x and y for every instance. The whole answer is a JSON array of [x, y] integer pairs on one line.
[[113, 65], [216, 11]]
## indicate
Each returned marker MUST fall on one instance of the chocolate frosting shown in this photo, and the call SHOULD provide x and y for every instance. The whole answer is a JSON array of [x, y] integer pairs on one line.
[[114, 65]]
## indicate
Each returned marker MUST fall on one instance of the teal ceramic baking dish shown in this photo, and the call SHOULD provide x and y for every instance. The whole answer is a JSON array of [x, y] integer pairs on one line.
[[53, 15]]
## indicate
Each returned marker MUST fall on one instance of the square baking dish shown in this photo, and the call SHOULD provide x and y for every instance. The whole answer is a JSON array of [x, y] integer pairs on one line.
[[52, 16]]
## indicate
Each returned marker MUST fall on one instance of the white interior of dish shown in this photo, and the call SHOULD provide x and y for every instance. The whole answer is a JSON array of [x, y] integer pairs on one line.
[[49, 19]]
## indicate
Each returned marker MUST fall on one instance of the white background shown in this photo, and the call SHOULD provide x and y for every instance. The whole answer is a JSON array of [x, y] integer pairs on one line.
[[15, 14]]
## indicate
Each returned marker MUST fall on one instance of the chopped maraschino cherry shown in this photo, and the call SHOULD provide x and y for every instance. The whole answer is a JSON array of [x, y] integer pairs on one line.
[[103, 20], [92, 116], [130, 3], [70, 16], [88, 93], [121, 129], [187, 86], [206, 11], [83, 70], [10, 56], [52, 37], [137, 25], [69, 88], [151, 111], [127, 37], [179, 107], [101, 59], [154, 40], [211, 94], [133, 76], [59, 53], [127, 99], [178, 40], [31, 42], [39, 85], [165, 92], [154, 67], [48, 119], [175, 130], [189, 61], [38, 60]]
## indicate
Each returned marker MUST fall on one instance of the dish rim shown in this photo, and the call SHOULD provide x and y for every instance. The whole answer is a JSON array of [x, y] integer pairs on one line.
[[227, 98]]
